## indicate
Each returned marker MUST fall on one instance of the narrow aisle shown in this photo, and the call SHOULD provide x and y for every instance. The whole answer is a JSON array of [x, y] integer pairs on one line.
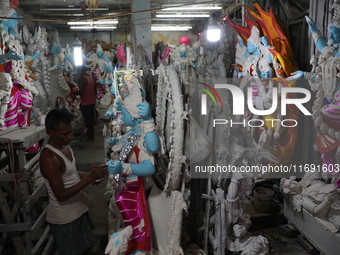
[[92, 153]]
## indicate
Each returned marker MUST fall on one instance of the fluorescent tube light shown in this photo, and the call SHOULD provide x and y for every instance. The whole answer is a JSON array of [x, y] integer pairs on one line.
[[65, 14], [99, 22], [192, 8], [78, 54], [90, 27], [183, 16], [173, 28], [72, 9], [172, 19]]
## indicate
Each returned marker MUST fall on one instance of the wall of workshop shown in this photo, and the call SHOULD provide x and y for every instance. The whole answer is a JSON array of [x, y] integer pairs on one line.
[[171, 38], [121, 36], [31, 25], [68, 36]]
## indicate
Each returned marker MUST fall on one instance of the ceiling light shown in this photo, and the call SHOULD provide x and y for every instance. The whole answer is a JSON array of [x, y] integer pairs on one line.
[[213, 30], [65, 14], [99, 22], [172, 19], [183, 16], [90, 27], [72, 9], [77, 50], [169, 28], [192, 8]]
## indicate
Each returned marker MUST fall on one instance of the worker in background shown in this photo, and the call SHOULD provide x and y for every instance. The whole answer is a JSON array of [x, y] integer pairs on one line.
[[87, 92]]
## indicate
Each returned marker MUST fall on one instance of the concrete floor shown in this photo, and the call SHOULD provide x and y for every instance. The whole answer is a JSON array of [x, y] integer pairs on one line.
[[91, 153]]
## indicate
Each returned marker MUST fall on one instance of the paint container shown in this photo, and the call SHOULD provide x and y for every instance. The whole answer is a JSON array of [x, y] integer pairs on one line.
[[263, 198]]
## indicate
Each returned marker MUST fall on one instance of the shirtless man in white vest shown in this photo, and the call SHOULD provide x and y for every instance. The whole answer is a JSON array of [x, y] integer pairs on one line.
[[67, 215]]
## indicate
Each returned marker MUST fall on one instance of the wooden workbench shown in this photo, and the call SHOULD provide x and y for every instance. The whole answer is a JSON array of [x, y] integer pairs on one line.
[[22, 139], [22, 196]]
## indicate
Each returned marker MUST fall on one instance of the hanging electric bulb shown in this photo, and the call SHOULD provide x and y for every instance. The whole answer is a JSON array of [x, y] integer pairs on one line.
[[77, 52], [213, 30]]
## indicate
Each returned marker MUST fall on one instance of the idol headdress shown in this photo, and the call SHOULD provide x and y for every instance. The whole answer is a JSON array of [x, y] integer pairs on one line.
[[99, 48], [255, 36], [131, 95], [5, 9], [336, 15]]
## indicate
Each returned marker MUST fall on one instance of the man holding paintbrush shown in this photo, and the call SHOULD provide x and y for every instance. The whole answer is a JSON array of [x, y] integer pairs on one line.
[[67, 213]]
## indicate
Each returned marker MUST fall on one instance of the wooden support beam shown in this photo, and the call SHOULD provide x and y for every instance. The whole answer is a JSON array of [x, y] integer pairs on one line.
[[296, 21], [41, 240], [3, 241], [48, 248], [28, 240], [16, 207], [30, 164], [32, 199], [35, 168], [4, 162], [15, 227], [38, 223], [19, 246], [15, 177], [300, 15]]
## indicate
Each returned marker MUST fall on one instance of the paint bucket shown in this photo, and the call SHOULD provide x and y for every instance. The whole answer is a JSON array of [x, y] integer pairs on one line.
[[263, 199]]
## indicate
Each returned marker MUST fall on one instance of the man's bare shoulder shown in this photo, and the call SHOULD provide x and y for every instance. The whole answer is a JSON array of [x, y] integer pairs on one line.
[[46, 153], [48, 161]]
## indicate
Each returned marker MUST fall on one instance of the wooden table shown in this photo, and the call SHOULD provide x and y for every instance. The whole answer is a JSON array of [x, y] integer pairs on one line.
[[23, 201], [22, 139]]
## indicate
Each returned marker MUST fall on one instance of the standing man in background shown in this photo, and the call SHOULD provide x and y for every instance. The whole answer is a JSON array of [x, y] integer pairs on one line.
[[87, 92]]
